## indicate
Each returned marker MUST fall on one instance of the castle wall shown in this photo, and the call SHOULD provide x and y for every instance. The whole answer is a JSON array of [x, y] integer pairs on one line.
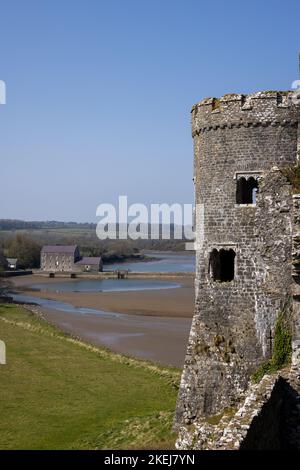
[[268, 418], [234, 321], [296, 265]]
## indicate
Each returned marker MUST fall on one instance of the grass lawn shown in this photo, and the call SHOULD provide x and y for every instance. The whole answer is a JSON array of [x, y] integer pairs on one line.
[[59, 393]]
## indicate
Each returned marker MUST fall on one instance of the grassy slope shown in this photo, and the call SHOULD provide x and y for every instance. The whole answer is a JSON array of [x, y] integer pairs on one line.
[[58, 393]]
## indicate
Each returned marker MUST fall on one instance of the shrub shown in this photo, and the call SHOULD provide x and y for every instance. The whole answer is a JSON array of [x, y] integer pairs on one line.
[[282, 350], [292, 174]]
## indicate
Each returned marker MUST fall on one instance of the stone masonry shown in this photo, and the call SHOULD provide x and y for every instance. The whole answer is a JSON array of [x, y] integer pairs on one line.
[[244, 245]]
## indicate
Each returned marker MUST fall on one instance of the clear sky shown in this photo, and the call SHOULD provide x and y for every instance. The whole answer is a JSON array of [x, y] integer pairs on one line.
[[99, 94]]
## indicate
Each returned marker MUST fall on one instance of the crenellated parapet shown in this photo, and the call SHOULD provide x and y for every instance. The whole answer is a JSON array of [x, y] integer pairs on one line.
[[268, 108]]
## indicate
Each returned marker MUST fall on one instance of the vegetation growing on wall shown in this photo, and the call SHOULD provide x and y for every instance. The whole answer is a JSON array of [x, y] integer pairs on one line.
[[292, 174], [282, 350]]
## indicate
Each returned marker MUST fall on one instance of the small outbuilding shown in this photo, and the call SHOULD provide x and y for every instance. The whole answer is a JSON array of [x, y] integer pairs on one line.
[[12, 263], [90, 264]]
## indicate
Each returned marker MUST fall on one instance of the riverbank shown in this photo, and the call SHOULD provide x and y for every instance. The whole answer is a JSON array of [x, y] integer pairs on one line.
[[61, 393]]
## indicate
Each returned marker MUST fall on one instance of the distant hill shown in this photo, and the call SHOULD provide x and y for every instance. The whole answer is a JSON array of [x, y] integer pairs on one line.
[[14, 224]]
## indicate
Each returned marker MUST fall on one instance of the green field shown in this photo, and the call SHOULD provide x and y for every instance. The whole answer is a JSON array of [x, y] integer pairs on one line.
[[59, 393]]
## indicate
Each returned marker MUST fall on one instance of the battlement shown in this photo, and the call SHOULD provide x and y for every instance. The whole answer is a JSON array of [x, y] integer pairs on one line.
[[236, 110]]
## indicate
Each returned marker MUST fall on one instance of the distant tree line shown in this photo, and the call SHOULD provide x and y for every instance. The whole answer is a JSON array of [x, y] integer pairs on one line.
[[24, 240], [12, 224], [19, 246]]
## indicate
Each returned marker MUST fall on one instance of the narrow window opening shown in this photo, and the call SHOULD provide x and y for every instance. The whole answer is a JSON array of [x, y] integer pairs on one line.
[[246, 190], [214, 265], [227, 265], [221, 265]]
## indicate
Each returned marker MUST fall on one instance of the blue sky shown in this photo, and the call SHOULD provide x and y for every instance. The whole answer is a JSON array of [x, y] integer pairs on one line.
[[99, 94]]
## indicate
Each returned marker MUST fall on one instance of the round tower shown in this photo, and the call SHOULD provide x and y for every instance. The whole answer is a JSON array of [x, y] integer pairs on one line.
[[244, 230]]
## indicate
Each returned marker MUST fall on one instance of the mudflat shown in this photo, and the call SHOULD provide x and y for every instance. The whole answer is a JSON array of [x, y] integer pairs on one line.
[[159, 339], [151, 324], [177, 302]]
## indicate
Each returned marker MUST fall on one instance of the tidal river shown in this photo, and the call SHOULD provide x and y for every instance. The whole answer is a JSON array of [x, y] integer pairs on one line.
[[159, 337], [165, 262]]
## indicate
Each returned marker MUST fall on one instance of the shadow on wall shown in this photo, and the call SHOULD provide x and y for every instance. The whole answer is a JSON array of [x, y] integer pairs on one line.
[[277, 425]]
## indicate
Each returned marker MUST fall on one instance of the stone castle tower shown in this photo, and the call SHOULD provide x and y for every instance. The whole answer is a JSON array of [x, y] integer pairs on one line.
[[245, 230]]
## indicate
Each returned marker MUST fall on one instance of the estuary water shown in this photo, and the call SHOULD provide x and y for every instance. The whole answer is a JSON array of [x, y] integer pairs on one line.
[[165, 262], [104, 285]]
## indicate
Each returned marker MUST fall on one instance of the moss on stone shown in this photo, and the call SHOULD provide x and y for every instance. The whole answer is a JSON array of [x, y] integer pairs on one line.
[[215, 419], [282, 348], [281, 92], [228, 412], [230, 95], [292, 174], [202, 348], [226, 357], [282, 342], [216, 104], [218, 339]]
